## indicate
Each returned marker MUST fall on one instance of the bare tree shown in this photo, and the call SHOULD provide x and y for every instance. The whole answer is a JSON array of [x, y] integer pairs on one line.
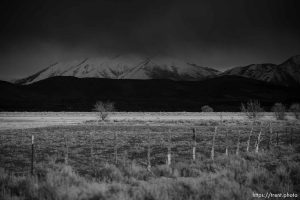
[[103, 109], [207, 108], [295, 108], [279, 111], [252, 109]]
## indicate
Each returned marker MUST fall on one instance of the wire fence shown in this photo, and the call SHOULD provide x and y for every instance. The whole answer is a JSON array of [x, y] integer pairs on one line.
[[87, 148]]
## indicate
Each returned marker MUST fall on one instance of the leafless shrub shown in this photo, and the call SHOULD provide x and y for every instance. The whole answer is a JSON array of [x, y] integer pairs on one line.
[[295, 109], [252, 109], [103, 109], [207, 108], [279, 111]]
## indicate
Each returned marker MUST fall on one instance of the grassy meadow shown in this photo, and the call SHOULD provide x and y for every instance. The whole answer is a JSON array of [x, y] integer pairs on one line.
[[108, 160]]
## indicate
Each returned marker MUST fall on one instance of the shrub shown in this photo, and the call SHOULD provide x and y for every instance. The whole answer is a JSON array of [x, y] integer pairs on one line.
[[109, 173], [279, 111], [295, 109], [207, 108], [252, 109], [103, 108]]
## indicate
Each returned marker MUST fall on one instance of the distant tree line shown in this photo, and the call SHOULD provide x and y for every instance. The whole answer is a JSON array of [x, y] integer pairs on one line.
[[252, 109]]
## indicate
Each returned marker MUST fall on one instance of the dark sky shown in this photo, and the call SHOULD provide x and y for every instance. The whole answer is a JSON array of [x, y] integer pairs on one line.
[[212, 33]]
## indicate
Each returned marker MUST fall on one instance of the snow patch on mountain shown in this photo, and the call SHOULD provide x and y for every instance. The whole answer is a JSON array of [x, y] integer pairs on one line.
[[124, 67], [287, 73]]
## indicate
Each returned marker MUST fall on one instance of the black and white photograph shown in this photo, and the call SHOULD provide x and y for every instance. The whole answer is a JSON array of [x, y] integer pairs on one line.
[[149, 99]]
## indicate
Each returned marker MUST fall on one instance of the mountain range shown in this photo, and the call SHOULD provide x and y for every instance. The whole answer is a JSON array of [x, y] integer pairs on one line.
[[151, 84], [133, 67], [124, 67], [286, 73]]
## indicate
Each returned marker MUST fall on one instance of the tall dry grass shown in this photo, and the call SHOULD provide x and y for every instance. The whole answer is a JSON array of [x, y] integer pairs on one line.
[[225, 177]]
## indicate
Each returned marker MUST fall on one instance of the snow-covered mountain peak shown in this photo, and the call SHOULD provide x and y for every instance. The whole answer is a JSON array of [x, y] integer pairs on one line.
[[287, 73], [124, 67], [135, 67]]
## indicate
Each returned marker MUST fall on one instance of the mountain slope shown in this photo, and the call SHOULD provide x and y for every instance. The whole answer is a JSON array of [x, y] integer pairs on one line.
[[80, 94], [287, 73], [124, 67], [133, 67]]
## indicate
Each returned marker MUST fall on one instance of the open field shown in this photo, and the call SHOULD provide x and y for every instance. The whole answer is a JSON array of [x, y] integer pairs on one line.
[[90, 148], [21, 120]]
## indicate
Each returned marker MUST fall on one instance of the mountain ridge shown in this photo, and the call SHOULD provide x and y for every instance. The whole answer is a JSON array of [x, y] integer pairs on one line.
[[131, 67], [286, 73], [123, 67]]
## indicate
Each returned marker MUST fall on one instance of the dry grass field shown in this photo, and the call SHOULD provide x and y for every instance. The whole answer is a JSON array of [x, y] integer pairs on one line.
[[22, 120], [77, 157]]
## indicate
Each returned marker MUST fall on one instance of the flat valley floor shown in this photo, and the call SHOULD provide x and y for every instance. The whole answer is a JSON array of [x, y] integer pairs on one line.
[[117, 152]]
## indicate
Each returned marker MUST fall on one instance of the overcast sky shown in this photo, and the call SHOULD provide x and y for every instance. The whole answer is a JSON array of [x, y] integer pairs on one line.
[[211, 33]]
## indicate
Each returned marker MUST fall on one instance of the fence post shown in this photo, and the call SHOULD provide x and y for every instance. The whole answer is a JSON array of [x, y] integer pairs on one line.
[[92, 152], [258, 140], [32, 154], [238, 143], [227, 141], [194, 144], [66, 150], [169, 149], [286, 134], [277, 138], [125, 157], [270, 135], [213, 144], [249, 138], [149, 153], [116, 147], [291, 136]]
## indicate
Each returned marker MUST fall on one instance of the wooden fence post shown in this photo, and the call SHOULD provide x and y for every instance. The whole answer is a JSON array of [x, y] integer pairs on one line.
[[277, 138], [291, 136], [194, 144], [249, 138], [227, 143], [213, 144], [116, 147], [169, 149], [286, 134], [66, 151], [92, 152], [258, 141], [238, 143], [149, 153], [32, 154], [125, 157], [270, 135]]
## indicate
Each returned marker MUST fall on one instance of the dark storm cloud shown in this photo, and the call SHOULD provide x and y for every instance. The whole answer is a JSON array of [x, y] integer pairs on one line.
[[210, 32]]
